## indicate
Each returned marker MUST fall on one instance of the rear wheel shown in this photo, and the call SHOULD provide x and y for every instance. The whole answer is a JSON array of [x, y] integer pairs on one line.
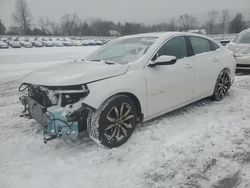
[[222, 86], [114, 122]]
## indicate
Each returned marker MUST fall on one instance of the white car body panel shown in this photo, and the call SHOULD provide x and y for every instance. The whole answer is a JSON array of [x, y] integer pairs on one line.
[[159, 89], [207, 68], [101, 91], [74, 73], [169, 86]]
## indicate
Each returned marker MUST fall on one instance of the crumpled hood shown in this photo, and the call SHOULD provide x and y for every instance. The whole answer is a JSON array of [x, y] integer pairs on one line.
[[74, 73]]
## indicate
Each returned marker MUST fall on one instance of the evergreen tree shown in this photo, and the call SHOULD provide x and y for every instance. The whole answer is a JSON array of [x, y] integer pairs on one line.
[[2, 28], [237, 24]]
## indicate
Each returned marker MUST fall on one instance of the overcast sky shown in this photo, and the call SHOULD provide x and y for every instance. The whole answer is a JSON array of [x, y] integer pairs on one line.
[[143, 11]]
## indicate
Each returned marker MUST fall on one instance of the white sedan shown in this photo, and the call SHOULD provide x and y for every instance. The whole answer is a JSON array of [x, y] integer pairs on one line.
[[3, 44], [241, 48], [127, 81]]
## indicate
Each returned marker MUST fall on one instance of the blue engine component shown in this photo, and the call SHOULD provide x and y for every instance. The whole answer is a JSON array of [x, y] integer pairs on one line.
[[57, 125]]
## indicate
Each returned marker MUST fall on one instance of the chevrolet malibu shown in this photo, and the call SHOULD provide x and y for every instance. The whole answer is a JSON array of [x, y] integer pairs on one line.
[[127, 81]]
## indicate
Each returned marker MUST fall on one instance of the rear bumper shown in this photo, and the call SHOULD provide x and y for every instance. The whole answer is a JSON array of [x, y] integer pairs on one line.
[[243, 63], [243, 66]]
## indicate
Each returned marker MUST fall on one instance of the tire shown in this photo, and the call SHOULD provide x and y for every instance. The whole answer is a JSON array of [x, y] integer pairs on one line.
[[222, 86], [114, 122]]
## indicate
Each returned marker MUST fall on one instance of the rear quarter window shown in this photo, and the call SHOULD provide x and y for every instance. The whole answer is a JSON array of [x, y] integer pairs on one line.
[[213, 45]]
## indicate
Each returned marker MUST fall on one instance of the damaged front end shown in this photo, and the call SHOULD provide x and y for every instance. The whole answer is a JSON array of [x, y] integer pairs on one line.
[[60, 110]]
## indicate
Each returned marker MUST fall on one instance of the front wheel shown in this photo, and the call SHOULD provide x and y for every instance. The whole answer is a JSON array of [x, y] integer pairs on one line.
[[222, 86], [114, 122]]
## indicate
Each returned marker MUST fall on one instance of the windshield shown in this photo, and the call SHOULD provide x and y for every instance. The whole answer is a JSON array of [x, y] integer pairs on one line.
[[243, 38], [123, 51]]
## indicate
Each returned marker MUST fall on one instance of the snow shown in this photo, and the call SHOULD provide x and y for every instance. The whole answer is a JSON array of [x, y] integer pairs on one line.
[[206, 144]]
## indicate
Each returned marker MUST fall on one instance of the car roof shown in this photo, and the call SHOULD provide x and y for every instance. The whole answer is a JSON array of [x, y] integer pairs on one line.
[[156, 34], [166, 35]]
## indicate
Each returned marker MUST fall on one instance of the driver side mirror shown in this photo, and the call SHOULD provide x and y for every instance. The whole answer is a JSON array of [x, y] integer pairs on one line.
[[163, 60]]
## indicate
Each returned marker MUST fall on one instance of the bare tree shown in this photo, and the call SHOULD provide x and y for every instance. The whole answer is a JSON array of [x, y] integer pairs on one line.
[[212, 21], [84, 28], [225, 16], [70, 24], [55, 28], [100, 27], [187, 22], [45, 26], [172, 25], [22, 16], [237, 24], [13, 30]]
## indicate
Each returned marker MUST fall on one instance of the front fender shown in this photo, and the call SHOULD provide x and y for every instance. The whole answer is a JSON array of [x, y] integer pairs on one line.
[[131, 82]]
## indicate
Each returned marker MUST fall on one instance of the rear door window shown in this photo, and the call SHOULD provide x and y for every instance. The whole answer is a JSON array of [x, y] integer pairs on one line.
[[200, 45]]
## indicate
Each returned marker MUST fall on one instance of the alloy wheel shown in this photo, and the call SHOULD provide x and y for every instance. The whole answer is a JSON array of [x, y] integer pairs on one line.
[[120, 119], [223, 85]]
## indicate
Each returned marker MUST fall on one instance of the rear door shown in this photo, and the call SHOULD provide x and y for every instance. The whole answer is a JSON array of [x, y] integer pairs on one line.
[[207, 65]]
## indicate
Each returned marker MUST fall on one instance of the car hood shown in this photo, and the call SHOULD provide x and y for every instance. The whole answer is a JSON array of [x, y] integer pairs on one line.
[[239, 48], [74, 73]]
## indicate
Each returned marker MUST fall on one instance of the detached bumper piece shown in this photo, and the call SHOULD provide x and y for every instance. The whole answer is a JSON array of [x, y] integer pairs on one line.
[[54, 120]]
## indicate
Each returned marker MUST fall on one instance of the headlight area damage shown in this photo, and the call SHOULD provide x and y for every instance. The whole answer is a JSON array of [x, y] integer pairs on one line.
[[60, 110]]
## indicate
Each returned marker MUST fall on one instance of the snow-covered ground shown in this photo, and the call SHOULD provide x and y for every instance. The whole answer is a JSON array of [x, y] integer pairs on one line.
[[206, 144]]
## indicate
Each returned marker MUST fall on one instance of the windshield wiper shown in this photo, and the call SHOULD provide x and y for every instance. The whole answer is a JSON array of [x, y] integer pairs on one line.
[[104, 61], [108, 62]]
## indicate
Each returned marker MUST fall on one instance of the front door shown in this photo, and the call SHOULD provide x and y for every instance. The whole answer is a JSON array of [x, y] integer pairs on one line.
[[170, 86]]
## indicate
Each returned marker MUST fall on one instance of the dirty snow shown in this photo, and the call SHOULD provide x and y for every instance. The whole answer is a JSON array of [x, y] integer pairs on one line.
[[206, 144]]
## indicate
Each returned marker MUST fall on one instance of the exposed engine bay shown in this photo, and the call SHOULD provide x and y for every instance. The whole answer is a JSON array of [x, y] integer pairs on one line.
[[60, 110]]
